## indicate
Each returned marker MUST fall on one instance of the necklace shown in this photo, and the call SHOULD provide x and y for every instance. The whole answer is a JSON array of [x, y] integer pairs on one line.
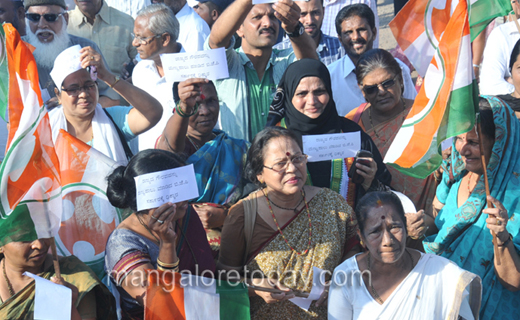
[[9, 285], [293, 209], [370, 117], [374, 292], [280, 231], [469, 182], [146, 227], [196, 146]]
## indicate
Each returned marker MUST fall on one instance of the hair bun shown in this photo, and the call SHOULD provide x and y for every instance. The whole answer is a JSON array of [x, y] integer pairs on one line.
[[116, 188]]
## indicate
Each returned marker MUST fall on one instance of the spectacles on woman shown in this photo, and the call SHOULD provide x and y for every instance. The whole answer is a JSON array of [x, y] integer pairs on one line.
[[282, 165], [373, 89], [144, 41], [74, 91], [49, 17]]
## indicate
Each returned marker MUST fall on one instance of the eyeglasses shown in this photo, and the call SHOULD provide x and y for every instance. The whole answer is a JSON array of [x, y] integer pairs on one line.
[[144, 41], [373, 89], [282, 165], [49, 17], [75, 91]]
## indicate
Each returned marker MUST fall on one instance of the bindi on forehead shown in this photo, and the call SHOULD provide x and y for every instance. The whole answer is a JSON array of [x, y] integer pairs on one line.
[[383, 217], [288, 154]]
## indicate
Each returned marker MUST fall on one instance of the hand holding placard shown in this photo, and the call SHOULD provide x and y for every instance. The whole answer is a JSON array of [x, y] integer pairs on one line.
[[322, 147], [173, 185], [209, 64]]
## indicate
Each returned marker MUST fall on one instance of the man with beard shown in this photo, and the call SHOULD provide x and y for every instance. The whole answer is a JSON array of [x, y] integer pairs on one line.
[[46, 24], [255, 68], [311, 16], [356, 29], [12, 11]]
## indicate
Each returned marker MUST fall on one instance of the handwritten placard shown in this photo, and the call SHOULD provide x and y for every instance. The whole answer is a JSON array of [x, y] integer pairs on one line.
[[173, 185], [209, 64], [332, 146]]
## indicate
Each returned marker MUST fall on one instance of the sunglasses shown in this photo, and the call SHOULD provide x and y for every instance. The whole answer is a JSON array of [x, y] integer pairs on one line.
[[373, 89], [49, 17]]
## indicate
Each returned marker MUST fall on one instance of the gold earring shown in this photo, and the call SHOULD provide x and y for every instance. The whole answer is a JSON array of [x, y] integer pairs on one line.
[[361, 243]]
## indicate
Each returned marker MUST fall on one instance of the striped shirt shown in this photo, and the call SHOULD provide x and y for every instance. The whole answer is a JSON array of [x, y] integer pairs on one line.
[[329, 48]]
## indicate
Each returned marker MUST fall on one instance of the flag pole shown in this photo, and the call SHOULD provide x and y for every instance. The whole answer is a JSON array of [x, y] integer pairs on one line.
[[55, 258], [486, 182]]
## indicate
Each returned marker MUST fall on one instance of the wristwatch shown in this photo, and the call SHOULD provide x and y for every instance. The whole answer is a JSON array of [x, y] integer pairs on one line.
[[300, 29]]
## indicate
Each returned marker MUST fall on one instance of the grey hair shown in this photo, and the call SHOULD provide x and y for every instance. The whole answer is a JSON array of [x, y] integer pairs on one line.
[[377, 59], [161, 20]]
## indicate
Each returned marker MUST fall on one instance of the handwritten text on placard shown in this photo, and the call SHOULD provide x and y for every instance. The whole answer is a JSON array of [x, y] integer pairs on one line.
[[210, 64], [157, 188], [323, 147]]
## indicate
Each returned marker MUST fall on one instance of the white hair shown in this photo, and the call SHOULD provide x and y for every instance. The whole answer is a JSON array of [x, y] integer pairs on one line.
[[46, 52], [161, 20]]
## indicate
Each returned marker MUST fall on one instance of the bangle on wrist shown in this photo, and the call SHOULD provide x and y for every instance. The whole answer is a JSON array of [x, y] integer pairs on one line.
[[476, 66], [181, 113], [115, 82], [167, 265], [505, 243]]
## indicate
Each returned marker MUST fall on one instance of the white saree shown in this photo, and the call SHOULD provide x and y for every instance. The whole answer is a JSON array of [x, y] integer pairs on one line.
[[435, 289]]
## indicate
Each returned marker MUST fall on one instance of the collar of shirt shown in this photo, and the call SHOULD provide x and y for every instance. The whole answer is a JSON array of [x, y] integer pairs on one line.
[[511, 27], [323, 43], [79, 18], [184, 11], [347, 65], [246, 62]]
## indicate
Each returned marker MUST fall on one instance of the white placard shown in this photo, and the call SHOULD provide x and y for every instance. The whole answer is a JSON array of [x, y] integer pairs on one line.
[[51, 301], [446, 144], [322, 147], [318, 286], [173, 185], [210, 64]]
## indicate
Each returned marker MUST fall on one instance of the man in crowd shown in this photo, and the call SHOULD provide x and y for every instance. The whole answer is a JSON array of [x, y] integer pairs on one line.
[[210, 10], [311, 16], [356, 28], [109, 28], [255, 68], [156, 30], [12, 11], [194, 30], [47, 31], [130, 7]]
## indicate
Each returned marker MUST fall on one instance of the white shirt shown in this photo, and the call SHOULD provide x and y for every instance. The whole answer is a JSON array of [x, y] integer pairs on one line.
[[194, 30], [130, 7], [495, 65], [345, 89], [147, 78]]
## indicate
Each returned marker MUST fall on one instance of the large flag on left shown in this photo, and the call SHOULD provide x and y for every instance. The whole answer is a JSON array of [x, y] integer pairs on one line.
[[30, 191]]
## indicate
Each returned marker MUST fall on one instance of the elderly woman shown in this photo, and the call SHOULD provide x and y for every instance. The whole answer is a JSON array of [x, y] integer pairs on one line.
[[465, 222], [279, 233], [304, 105], [513, 99], [80, 114], [170, 237], [390, 281], [380, 79], [90, 298], [218, 159]]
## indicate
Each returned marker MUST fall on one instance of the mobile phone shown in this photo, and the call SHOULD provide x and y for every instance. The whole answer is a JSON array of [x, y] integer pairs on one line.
[[352, 173]]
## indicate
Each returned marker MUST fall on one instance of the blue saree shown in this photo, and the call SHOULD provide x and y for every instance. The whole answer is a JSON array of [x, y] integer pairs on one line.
[[463, 236]]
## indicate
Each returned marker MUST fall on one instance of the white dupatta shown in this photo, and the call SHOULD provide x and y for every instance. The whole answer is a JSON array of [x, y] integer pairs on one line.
[[105, 137]]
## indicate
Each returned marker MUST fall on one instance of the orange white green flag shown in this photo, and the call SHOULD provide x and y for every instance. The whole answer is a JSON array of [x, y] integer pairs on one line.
[[30, 190], [171, 295], [437, 30], [88, 217]]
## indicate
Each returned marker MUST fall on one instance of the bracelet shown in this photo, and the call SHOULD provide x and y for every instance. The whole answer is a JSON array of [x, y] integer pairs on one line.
[[476, 66], [181, 113], [176, 269], [506, 242], [115, 82], [168, 266]]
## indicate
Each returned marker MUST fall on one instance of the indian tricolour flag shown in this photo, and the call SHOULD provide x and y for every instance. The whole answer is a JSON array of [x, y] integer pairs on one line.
[[30, 190], [178, 296], [482, 12], [435, 35], [88, 218]]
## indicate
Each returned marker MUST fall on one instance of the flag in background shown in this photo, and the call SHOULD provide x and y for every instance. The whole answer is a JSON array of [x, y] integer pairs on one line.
[[171, 295], [448, 100], [482, 12], [30, 191], [88, 217]]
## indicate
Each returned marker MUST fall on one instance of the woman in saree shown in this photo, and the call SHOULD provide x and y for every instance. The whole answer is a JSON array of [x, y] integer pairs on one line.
[[391, 281], [168, 238], [218, 159], [303, 104], [276, 235], [90, 298], [464, 220], [380, 79]]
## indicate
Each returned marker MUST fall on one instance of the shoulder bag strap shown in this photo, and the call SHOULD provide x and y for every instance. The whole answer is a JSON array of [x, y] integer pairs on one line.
[[250, 208], [128, 152]]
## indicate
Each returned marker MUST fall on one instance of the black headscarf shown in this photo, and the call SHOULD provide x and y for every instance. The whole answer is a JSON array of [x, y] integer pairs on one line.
[[513, 102], [327, 122]]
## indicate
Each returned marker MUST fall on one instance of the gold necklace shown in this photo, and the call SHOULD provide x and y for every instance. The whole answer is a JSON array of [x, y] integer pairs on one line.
[[196, 146], [9, 285]]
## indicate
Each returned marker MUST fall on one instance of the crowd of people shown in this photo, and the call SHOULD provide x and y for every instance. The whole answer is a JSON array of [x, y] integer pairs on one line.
[[296, 68]]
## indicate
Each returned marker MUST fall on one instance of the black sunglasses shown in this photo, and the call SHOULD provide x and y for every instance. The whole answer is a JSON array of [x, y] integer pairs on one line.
[[49, 17], [373, 89]]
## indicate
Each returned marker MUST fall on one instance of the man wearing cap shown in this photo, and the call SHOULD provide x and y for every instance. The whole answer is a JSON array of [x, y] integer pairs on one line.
[[109, 28], [12, 11], [210, 10], [311, 16], [46, 22]]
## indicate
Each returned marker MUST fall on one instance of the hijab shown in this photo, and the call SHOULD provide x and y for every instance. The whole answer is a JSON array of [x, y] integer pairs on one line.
[[282, 107]]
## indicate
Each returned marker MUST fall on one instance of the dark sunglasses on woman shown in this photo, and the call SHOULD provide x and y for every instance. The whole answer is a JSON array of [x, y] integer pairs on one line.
[[373, 89], [49, 17]]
